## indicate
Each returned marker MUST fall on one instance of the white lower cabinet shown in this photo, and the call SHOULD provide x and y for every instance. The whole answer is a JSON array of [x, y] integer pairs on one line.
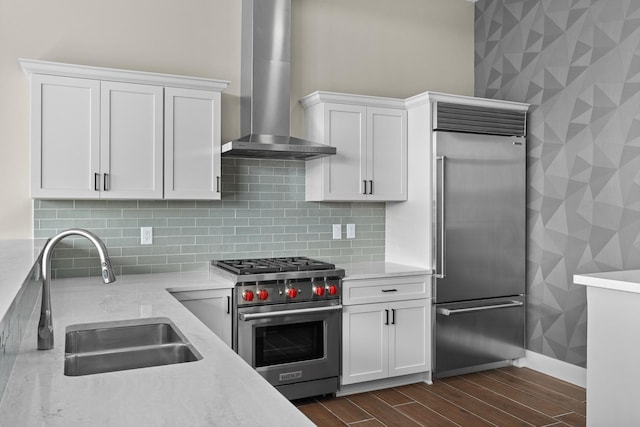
[[385, 340], [365, 343], [212, 307], [386, 331]]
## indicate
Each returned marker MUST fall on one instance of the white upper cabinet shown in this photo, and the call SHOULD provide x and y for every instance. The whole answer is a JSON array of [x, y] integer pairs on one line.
[[118, 134], [387, 154], [192, 144], [131, 141], [370, 136], [65, 137]]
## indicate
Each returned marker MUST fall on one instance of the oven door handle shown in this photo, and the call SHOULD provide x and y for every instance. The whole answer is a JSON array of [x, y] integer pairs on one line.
[[267, 315]]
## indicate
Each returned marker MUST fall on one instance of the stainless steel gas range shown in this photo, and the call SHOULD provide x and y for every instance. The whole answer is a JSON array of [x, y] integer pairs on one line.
[[287, 321]]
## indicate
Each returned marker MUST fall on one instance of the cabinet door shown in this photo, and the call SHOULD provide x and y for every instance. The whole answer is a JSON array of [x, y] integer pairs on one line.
[[131, 141], [410, 337], [387, 154], [344, 173], [365, 337], [65, 137], [192, 144], [212, 307]]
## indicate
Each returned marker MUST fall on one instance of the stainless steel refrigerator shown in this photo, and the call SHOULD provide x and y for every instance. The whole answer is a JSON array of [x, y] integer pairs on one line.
[[479, 228]]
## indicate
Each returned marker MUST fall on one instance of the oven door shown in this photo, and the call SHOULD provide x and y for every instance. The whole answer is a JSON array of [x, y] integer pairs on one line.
[[291, 344]]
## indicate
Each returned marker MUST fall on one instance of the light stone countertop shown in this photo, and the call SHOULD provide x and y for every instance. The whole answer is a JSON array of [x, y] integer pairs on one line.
[[380, 269], [625, 280], [218, 390]]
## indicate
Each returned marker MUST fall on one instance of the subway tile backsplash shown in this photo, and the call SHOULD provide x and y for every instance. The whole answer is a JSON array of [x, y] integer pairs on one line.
[[262, 214]]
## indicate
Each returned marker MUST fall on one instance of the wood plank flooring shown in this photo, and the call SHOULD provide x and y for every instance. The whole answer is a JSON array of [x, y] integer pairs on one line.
[[500, 397]]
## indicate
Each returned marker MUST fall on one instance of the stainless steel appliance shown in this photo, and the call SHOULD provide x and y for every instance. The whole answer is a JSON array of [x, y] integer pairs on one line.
[[479, 229], [265, 85], [287, 321]]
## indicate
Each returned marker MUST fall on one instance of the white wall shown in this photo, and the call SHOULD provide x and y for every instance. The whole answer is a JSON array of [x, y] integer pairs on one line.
[[377, 47], [395, 48]]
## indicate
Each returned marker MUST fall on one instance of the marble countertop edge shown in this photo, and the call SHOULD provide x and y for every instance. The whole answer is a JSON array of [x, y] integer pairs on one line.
[[380, 269], [622, 280]]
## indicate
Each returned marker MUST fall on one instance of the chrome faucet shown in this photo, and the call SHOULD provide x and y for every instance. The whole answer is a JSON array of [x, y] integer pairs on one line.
[[45, 325]]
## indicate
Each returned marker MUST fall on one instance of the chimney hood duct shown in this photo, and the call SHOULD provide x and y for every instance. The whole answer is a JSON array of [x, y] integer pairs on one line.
[[265, 93]]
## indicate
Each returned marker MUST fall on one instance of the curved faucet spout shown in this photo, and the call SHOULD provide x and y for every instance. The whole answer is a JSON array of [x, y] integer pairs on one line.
[[45, 325]]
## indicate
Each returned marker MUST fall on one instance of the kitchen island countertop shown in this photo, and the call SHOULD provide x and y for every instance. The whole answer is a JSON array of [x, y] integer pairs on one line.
[[623, 280], [613, 322], [218, 390]]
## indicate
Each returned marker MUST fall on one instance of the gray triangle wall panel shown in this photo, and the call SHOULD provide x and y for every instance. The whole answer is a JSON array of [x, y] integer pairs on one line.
[[576, 62]]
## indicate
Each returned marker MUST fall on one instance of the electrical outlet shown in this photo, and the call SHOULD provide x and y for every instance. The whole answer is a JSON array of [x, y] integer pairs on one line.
[[351, 231], [337, 231], [146, 235]]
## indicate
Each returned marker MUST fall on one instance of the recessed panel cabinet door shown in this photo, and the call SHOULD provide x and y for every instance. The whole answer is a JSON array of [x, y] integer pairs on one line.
[[131, 141], [192, 144], [345, 129], [365, 343], [409, 337], [387, 154], [65, 137]]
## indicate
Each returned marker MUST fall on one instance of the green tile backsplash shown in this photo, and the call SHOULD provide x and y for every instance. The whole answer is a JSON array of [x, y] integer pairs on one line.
[[262, 214]]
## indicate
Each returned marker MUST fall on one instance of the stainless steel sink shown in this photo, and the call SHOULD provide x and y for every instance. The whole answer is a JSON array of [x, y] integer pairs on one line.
[[94, 348]]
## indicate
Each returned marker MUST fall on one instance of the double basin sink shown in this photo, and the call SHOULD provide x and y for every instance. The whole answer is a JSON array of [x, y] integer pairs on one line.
[[95, 348]]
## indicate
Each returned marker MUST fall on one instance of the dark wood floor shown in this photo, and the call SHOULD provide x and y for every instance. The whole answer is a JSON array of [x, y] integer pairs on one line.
[[501, 397]]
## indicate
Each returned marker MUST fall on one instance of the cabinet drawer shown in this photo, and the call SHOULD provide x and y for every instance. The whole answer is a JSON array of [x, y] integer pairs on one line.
[[365, 291]]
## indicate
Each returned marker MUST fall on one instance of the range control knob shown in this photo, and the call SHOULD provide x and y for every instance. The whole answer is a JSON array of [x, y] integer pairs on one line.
[[263, 294], [318, 290], [292, 292], [332, 289], [247, 295]]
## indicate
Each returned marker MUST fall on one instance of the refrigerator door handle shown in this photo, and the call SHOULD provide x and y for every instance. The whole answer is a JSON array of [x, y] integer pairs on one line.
[[450, 312], [441, 265]]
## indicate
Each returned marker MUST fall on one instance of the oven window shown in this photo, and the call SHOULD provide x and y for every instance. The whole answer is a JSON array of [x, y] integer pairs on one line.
[[287, 343]]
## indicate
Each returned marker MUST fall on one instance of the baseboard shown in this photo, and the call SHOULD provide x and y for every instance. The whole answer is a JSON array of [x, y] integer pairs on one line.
[[554, 367], [346, 390]]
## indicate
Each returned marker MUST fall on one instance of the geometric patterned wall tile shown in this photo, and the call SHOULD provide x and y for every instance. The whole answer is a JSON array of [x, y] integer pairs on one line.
[[577, 62]]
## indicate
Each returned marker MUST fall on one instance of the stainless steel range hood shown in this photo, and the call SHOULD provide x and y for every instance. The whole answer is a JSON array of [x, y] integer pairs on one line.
[[265, 93]]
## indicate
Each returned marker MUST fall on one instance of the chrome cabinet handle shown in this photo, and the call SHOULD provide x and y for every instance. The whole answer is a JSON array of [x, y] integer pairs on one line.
[[441, 267], [449, 312]]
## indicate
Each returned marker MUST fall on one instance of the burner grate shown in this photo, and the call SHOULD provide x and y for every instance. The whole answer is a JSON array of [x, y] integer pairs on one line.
[[272, 265]]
